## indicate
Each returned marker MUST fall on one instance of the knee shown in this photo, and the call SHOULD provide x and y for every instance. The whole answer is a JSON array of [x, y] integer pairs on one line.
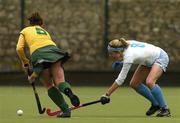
[[150, 82]]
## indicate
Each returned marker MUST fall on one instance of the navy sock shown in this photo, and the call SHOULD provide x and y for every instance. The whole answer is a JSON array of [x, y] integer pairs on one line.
[[158, 94], [145, 92]]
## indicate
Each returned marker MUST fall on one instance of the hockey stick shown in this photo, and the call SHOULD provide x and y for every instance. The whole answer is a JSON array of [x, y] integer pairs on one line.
[[50, 113], [40, 109]]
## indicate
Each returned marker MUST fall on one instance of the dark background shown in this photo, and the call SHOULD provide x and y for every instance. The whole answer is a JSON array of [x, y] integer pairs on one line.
[[84, 27], [87, 78]]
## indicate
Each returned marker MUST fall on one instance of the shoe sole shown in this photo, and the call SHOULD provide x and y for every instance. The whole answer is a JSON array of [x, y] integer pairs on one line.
[[64, 115], [152, 113], [168, 115]]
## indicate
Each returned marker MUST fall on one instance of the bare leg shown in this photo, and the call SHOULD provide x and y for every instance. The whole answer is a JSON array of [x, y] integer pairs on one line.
[[136, 82], [58, 78], [57, 73], [154, 75], [139, 76], [152, 78], [46, 79], [53, 92]]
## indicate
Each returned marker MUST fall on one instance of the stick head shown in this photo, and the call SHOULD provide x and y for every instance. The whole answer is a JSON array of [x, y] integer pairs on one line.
[[42, 111], [50, 113]]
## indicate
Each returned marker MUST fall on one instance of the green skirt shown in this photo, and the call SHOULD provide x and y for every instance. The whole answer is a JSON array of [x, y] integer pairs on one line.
[[43, 57]]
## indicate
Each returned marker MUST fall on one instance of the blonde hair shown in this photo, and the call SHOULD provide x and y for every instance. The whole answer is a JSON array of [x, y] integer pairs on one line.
[[118, 43]]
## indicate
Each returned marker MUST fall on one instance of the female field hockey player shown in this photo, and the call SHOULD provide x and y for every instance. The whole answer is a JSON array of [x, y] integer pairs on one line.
[[152, 62], [47, 61]]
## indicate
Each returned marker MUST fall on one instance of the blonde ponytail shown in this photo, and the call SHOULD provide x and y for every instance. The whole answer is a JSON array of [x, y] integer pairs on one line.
[[123, 41], [118, 43]]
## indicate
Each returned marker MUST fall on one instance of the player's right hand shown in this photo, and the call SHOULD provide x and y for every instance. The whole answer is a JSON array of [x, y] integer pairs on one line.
[[32, 78], [104, 99]]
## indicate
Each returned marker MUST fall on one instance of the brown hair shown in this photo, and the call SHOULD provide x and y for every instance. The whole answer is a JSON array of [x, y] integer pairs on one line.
[[118, 43], [35, 19]]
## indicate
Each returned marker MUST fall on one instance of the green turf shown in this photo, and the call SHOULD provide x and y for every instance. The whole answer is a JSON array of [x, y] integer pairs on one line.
[[126, 106]]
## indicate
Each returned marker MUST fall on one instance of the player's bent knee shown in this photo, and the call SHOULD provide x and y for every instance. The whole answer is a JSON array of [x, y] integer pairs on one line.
[[150, 83]]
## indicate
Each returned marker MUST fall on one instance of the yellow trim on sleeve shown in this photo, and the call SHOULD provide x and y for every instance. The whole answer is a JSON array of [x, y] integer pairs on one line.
[[20, 50]]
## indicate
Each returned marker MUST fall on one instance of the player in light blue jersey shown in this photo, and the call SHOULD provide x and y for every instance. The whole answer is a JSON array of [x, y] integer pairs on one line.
[[152, 63]]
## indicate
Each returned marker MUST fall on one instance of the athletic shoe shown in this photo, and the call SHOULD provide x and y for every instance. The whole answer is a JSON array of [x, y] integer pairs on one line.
[[164, 113], [66, 114], [74, 99], [152, 110]]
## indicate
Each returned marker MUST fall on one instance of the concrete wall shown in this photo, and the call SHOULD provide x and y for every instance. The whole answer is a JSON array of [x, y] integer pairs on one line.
[[78, 26]]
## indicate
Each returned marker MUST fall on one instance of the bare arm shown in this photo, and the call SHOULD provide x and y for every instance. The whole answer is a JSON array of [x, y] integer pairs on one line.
[[120, 79], [113, 87]]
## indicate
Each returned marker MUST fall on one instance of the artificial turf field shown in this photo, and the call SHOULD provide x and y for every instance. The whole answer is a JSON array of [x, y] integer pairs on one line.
[[126, 106]]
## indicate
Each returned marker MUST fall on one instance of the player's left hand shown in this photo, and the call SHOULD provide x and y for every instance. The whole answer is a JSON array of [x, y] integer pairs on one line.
[[117, 65], [25, 67], [104, 99]]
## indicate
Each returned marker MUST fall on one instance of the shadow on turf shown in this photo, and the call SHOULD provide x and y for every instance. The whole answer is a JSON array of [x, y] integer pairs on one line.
[[114, 116]]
